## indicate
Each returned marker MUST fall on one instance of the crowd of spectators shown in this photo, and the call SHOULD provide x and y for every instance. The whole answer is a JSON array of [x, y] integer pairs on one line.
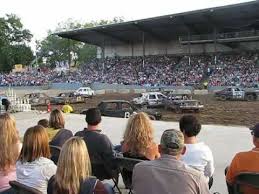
[[231, 70], [163, 70]]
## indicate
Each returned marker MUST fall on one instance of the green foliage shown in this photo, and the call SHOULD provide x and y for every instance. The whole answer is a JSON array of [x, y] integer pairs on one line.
[[13, 40], [55, 49]]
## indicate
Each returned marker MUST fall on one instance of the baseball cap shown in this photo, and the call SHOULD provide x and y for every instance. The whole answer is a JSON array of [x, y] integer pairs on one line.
[[255, 130], [172, 139]]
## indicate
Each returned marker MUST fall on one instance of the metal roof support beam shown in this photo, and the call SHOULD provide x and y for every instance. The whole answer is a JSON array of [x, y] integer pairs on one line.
[[215, 44], [211, 22], [112, 36], [143, 48], [150, 32]]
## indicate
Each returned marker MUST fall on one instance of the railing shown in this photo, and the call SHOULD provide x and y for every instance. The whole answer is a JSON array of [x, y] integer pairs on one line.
[[229, 35]]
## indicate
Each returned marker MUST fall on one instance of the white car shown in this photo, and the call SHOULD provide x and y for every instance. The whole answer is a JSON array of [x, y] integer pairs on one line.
[[84, 91], [149, 99]]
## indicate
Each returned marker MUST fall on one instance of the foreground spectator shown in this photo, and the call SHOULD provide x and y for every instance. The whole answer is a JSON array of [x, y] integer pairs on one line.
[[34, 168], [245, 162], [74, 171], [57, 134], [9, 143], [99, 146], [168, 174], [198, 155], [44, 123], [138, 140]]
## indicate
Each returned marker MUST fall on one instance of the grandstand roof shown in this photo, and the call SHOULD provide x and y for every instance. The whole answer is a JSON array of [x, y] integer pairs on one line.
[[229, 18]]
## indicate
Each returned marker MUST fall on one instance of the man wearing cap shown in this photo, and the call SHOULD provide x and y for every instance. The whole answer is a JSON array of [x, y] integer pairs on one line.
[[168, 174], [245, 162]]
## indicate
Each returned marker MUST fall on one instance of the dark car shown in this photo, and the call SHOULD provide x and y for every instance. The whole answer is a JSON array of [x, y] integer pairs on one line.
[[37, 98], [123, 109], [235, 93], [67, 97]]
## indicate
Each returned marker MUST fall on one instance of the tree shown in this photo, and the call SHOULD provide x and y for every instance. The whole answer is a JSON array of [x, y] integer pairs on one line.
[[59, 50], [13, 43]]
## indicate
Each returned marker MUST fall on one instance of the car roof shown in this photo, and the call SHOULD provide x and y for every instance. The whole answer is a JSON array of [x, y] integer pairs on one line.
[[84, 88], [107, 101], [152, 93]]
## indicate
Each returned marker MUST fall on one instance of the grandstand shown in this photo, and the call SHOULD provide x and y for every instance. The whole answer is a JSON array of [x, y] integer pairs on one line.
[[232, 28], [216, 45]]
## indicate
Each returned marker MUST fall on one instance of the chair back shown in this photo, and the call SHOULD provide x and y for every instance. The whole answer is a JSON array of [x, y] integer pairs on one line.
[[247, 182], [20, 188], [127, 163], [55, 151], [126, 166]]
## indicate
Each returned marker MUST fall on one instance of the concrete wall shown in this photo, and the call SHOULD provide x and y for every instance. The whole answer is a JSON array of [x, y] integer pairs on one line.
[[173, 47]]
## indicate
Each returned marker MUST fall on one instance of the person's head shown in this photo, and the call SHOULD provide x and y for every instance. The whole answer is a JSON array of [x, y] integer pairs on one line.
[[73, 166], [172, 143], [56, 119], [255, 134], [93, 116], [35, 144], [9, 139], [44, 123], [190, 126], [138, 135]]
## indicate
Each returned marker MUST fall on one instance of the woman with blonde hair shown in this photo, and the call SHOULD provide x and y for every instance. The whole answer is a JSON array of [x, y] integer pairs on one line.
[[9, 152], [34, 168], [74, 171], [138, 140], [57, 134]]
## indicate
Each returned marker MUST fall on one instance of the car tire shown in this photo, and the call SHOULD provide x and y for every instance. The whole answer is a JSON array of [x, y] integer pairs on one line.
[[223, 98], [250, 97], [153, 118], [144, 106], [196, 110]]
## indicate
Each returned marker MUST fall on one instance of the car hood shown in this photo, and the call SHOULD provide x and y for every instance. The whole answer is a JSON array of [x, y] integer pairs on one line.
[[150, 112]]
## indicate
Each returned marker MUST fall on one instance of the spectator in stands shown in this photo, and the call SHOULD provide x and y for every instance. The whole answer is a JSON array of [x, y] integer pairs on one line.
[[168, 174], [57, 134], [99, 146], [10, 148], [34, 168], [74, 171], [245, 162], [198, 155], [138, 140], [44, 123]]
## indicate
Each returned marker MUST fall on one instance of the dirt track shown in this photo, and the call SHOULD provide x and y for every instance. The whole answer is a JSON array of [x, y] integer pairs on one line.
[[215, 112]]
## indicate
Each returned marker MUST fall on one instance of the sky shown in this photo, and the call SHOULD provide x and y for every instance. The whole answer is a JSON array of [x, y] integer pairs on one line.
[[39, 16]]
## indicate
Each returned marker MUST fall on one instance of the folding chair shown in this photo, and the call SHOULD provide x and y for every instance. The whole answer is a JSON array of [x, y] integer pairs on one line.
[[249, 180], [55, 151], [20, 188], [103, 171], [126, 166]]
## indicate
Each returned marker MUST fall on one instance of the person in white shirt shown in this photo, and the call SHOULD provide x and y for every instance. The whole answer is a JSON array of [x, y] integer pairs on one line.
[[198, 155], [34, 168]]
